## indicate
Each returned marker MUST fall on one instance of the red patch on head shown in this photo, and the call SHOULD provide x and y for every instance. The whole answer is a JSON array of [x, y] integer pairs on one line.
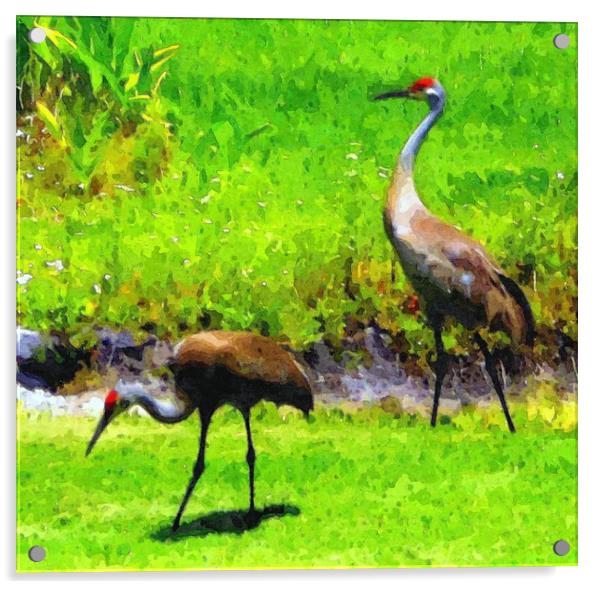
[[422, 84], [111, 399]]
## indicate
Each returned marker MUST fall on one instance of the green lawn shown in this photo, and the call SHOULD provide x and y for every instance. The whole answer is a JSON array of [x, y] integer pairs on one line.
[[362, 490]]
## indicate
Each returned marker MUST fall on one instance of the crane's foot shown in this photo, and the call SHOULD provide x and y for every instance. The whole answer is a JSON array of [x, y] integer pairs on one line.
[[175, 525], [252, 517]]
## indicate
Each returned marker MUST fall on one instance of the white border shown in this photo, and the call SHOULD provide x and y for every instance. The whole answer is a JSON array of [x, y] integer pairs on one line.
[[590, 291]]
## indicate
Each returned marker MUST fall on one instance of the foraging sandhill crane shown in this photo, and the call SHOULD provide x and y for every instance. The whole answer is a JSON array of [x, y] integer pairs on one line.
[[212, 369], [452, 273]]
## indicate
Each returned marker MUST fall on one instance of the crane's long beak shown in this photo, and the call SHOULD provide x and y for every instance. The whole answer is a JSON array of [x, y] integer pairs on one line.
[[102, 424], [395, 94]]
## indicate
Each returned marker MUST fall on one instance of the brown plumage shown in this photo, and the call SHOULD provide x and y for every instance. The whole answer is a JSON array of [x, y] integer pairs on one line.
[[212, 369], [458, 275], [242, 353], [451, 272]]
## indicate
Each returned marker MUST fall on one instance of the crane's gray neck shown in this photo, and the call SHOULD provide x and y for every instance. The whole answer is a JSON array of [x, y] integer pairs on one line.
[[170, 410], [412, 147]]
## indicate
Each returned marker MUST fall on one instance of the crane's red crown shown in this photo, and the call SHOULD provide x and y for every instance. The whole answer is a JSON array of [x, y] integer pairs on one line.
[[422, 84], [111, 399]]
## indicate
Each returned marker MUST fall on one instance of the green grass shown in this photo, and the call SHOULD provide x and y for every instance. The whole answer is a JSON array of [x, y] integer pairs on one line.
[[259, 166], [363, 490]]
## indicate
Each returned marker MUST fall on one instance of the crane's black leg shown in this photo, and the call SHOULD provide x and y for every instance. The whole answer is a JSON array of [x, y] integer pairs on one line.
[[492, 371], [197, 471], [250, 462], [440, 370]]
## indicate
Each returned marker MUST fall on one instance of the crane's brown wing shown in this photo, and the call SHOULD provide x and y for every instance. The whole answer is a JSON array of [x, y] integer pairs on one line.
[[451, 259], [245, 354], [459, 264]]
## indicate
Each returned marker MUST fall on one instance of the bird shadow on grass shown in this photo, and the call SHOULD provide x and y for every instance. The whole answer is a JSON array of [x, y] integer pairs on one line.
[[225, 522]]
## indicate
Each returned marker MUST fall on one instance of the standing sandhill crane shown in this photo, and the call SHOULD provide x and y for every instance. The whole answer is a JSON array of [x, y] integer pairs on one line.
[[452, 274], [212, 369]]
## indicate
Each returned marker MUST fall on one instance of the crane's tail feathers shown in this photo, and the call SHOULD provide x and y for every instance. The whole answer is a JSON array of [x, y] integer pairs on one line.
[[515, 291]]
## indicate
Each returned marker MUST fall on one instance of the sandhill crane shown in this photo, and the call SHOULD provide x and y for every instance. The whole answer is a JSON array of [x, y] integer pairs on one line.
[[212, 369], [452, 274]]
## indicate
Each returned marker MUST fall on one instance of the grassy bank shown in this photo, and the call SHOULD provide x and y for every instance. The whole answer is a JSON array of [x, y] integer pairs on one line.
[[363, 490], [184, 174]]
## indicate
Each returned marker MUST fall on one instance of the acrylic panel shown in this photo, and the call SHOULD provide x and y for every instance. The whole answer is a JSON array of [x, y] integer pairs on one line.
[[295, 294]]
